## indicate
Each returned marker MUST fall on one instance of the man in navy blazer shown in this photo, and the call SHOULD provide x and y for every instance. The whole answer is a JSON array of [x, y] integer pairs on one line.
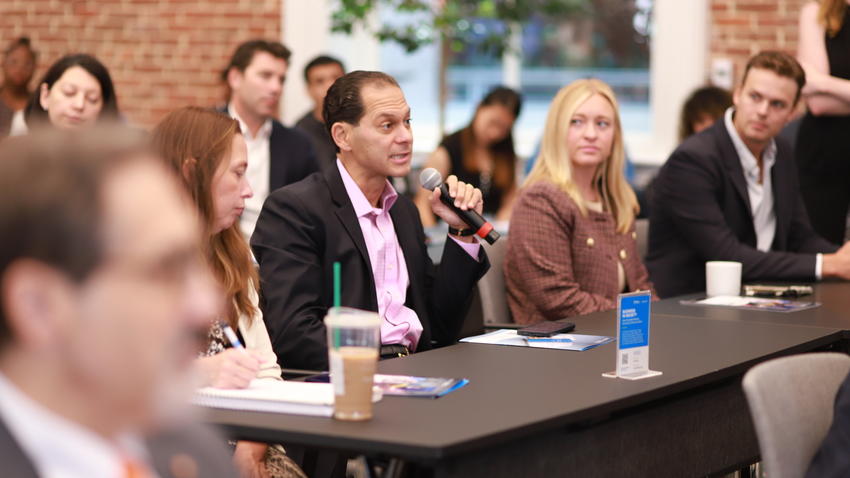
[[351, 214], [730, 193], [277, 155]]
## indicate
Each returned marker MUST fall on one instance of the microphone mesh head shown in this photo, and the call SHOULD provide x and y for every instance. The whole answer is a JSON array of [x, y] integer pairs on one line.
[[430, 178]]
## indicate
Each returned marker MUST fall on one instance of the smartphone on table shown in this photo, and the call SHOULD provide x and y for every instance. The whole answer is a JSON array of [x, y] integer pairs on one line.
[[546, 329]]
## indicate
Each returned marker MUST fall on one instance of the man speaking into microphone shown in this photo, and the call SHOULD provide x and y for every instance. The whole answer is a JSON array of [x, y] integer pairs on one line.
[[351, 214]]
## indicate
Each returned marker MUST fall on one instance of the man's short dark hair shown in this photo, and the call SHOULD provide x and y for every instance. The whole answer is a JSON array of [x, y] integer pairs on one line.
[[780, 63], [321, 60], [245, 53], [51, 198], [344, 103]]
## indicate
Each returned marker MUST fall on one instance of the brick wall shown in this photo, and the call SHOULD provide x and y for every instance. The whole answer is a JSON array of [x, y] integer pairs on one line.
[[161, 54], [741, 28], [168, 53]]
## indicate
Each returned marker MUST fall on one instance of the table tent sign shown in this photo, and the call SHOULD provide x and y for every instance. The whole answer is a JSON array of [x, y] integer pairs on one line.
[[633, 337]]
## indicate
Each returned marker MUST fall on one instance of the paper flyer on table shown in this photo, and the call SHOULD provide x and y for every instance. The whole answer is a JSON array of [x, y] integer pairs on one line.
[[410, 386], [575, 342], [753, 303]]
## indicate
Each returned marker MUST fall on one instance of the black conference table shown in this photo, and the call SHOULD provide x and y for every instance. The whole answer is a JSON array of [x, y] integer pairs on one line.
[[536, 412]]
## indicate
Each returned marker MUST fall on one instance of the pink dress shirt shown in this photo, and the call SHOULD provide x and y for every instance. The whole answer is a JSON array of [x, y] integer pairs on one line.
[[400, 324]]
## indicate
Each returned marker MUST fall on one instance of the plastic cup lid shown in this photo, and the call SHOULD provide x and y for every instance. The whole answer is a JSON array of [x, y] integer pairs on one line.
[[350, 317]]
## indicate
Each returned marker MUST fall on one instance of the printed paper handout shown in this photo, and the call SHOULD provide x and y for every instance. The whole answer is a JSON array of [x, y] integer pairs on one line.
[[754, 303], [576, 342]]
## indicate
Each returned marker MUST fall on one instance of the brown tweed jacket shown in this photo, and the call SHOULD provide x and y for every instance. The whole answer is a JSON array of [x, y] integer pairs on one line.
[[559, 263]]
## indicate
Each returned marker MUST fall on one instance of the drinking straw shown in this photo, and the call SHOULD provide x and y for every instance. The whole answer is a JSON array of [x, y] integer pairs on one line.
[[337, 268], [337, 332]]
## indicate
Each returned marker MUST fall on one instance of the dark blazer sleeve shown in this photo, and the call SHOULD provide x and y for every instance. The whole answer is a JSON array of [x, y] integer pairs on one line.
[[6, 115], [690, 185], [833, 457], [285, 243], [803, 238], [15, 461], [200, 449], [292, 157], [449, 287]]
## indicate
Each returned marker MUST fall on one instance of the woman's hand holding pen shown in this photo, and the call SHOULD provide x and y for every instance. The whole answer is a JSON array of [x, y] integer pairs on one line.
[[232, 368]]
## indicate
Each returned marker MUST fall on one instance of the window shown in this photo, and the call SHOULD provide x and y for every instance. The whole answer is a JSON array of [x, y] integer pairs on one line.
[[640, 47]]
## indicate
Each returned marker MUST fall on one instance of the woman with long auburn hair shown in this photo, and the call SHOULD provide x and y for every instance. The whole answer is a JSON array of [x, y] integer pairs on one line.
[[572, 244], [206, 149], [822, 149]]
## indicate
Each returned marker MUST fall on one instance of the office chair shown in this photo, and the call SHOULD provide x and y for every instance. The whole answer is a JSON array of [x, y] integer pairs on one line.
[[492, 291], [791, 401]]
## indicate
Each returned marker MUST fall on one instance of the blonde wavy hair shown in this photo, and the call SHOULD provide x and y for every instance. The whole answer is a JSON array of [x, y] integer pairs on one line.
[[554, 165], [831, 15]]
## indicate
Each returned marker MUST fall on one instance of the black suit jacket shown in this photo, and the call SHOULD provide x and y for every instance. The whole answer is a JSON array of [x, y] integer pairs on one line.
[[833, 457], [303, 228], [6, 115], [291, 155], [199, 444], [700, 211]]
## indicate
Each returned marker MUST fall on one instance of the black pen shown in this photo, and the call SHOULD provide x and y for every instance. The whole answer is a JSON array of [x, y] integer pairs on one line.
[[232, 337]]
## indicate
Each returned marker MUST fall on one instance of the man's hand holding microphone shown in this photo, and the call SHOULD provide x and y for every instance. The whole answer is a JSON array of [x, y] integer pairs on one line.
[[459, 205]]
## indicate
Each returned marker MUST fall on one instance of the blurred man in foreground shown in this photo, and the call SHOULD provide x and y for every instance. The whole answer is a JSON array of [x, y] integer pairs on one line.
[[103, 297]]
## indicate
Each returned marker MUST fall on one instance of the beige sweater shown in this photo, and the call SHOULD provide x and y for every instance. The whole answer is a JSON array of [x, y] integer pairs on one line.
[[257, 338]]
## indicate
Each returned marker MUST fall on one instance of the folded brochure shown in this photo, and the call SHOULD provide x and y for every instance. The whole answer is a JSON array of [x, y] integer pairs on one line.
[[754, 303], [577, 342], [407, 385]]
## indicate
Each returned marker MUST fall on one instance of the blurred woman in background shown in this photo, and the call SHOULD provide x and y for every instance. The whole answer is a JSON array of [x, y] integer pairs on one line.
[[481, 154], [75, 92], [18, 69], [822, 149], [703, 107]]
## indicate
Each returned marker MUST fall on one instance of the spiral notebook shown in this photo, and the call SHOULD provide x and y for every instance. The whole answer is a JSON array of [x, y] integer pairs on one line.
[[299, 398]]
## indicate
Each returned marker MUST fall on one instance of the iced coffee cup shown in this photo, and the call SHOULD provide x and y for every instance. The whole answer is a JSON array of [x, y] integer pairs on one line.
[[353, 341]]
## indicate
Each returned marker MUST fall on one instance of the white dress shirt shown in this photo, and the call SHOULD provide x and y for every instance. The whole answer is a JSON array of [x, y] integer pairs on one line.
[[59, 448], [259, 158], [19, 125], [760, 193]]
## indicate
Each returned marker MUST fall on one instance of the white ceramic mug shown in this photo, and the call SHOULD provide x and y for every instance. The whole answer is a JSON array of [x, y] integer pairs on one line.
[[722, 278]]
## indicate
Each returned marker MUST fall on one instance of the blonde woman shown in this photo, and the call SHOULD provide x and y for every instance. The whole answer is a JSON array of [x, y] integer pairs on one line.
[[572, 245], [823, 152]]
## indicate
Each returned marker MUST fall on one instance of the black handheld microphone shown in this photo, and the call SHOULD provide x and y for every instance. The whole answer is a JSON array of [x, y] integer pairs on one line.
[[430, 178]]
